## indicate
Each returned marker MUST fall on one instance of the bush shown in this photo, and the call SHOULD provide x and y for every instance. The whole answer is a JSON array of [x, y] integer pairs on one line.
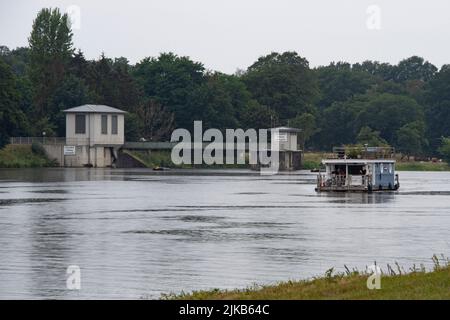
[[22, 156], [444, 150], [38, 149]]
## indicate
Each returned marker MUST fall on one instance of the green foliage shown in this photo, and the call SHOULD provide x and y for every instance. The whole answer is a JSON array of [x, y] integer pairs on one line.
[[214, 104], [383, 71], [444, 150], [354, 151], [437, 100], [257, 116], [340, 82], [405, 105], [50, 51], [307, 123], [155, 123], [133, 127], [414, 284], [38, 149], [284, 83], [339, 124], [387, 113], [172, 81], [22, 156], [370, 137], [411, 138], [415, 68], [44, 125], [11, 117], [109, 81]]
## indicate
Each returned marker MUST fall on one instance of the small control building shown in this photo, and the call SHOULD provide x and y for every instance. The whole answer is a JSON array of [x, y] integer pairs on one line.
[[290, 155], [94, 134]]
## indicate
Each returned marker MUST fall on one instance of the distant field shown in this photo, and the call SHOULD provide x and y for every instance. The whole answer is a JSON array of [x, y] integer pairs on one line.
[[399, 285]]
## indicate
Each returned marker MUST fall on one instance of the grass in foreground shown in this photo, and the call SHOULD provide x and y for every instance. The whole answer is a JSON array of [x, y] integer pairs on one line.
[[22, 156], [395, 284]]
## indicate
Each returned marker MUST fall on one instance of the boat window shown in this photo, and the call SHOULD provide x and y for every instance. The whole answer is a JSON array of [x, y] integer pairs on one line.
[[356, 169], [339, 169]]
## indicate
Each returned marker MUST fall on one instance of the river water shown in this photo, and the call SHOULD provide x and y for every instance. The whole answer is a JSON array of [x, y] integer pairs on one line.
[[138, 233]]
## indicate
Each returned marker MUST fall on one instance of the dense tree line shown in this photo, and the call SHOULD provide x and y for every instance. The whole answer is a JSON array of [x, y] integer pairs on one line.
[[405, 105]]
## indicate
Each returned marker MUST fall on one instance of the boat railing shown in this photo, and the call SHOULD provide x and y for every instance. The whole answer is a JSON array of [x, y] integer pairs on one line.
[[342, 181], [362, 152]]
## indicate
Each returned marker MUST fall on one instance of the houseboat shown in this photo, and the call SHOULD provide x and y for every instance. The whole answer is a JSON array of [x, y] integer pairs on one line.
[[352, 169]]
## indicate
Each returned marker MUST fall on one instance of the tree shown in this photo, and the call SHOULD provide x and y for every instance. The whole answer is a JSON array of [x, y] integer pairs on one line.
[[156, 123], [437, 102], [240, 97], [172, 81], [383, 71], [257, 117], [338, 123], [414, 68], [133, 127], [220, 101], [72, 91], [411, 138], [387, 113], [284, 83], [18, 59], [339, 82], [50, 51], [110, 82], [307, 123], [12, 120], [370, 137], [444, 149]]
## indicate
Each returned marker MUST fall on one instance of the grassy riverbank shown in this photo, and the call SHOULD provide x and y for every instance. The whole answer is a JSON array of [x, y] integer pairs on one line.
[[422, 166], [23, 156], [395, 284]]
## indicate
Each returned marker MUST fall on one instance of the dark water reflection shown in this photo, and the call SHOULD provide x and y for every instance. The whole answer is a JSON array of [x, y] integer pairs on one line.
[[137, 232]]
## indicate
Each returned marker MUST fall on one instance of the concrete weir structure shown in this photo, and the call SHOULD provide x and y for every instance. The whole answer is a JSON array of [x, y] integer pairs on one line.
[[95, 137], [94, 134]]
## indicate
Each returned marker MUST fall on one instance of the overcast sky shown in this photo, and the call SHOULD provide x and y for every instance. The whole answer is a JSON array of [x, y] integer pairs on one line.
[[229, 34]]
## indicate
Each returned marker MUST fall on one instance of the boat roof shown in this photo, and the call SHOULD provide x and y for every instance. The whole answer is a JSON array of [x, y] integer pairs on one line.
[[93, 108], [357, 161]]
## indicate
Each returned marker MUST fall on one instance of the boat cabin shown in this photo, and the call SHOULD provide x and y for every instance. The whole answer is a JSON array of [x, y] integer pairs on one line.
[[360, 174]]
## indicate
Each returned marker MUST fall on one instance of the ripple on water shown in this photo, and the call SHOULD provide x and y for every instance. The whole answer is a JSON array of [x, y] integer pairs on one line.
[[11, 202]]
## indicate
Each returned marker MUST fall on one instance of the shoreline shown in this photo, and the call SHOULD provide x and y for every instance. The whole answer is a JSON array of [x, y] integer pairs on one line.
[[395, 283], [25, 156]]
